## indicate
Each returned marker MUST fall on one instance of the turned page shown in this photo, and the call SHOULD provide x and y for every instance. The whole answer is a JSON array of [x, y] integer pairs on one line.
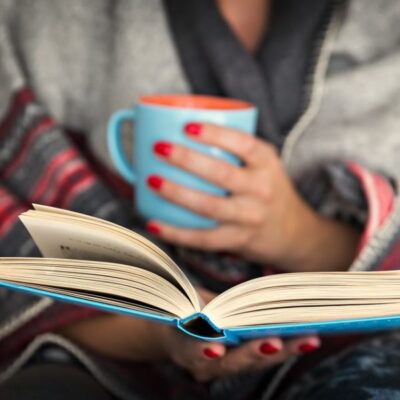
[[75, 236], [116, 284]]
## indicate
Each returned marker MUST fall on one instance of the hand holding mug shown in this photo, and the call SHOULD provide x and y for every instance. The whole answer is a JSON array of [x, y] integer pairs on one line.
[[211, 360], [264, 219], [161, 118]]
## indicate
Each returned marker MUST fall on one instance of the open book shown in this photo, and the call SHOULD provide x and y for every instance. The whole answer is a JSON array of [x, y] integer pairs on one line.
[[99, 264]]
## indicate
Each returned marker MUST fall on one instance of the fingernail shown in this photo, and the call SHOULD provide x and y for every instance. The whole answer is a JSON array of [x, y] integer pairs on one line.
[[193, 128], [155, 182], [163, 149], [268, 348], [307, 347], [153, 228], [210, 353]]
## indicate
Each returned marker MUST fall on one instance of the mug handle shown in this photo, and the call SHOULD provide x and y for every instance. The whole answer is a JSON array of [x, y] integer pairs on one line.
[[115, 144]]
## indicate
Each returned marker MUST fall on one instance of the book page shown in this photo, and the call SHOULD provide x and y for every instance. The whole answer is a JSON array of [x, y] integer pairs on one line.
[[125, 286], [64, 234], [307, 297]]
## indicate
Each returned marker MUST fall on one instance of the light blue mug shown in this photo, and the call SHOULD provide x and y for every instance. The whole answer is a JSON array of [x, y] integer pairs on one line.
[[163, 118]]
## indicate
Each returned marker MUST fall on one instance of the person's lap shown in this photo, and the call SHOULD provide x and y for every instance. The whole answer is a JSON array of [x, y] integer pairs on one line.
[[52, 382], [369, 370]]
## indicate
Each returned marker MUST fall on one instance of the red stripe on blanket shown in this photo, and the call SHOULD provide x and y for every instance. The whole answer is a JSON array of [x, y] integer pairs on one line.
[[5, 200], [9, 211], [35, 132], [67, 183], [48, 177], [17, 103], [8, 217], [392, 260], [380, 198], [79, 187]]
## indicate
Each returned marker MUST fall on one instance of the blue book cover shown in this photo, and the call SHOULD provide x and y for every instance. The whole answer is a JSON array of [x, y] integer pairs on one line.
[[94, 263], [206, 330]]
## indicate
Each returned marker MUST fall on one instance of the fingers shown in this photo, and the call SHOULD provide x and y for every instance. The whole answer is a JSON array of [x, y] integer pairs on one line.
[[224, 237], [247, 147], [199, 358], [206, 361], [253, 355], [218, 172], [191, 353], [264, 353], [194, 200], [303, 345], [238, 209]]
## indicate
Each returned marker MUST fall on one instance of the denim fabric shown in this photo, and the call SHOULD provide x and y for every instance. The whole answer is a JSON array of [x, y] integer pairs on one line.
[[369, 370]]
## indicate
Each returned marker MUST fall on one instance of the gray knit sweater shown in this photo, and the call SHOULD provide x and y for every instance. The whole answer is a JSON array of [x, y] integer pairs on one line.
[[70, 64]]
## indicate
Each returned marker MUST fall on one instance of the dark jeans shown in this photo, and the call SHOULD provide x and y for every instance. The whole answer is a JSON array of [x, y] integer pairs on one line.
[[368, 371], [52, 382]]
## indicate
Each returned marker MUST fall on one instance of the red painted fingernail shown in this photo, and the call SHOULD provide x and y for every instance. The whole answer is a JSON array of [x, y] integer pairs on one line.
[[268, 348], [155, 182], [193, 128], [307, 347], [210, 353], [163, 149], [153, 228]]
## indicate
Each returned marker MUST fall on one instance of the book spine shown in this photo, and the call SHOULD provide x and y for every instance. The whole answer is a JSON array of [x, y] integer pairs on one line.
[[199, 326]]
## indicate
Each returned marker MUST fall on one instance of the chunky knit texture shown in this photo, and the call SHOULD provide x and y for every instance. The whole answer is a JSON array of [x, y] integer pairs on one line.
[[65, 66]]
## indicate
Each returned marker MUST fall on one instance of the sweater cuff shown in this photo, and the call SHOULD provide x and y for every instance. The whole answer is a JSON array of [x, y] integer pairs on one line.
[[380, 198], [379, 247]]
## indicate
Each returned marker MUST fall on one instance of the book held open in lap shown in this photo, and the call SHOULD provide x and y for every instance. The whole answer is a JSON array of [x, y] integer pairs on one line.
[[100, 264]]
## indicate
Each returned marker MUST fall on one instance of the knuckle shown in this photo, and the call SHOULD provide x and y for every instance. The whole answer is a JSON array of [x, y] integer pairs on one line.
[[270, 149], [176, 236], [223, 208], [243, 239], [211, 207], [204, 242], [249, 144], [253, 216], [223, 174], [183, 156], [212, 242], [172, 191], [264, 191]]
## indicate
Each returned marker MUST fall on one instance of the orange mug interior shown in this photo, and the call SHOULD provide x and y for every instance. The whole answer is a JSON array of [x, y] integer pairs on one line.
[[195, 101]]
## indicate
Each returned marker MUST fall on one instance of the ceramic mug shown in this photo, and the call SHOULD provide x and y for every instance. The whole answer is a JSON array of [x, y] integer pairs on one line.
[[163, 118]]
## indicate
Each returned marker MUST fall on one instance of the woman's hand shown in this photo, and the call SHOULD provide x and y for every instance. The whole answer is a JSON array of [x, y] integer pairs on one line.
[[263, 219], [135, 339], [210, 360]]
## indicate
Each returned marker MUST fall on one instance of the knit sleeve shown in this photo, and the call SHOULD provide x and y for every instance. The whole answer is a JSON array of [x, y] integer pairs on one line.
[[38, 164], [365, 198], [379, 247]]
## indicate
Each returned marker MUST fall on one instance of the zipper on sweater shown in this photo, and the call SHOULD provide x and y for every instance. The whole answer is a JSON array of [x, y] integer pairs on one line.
[[315, 84]]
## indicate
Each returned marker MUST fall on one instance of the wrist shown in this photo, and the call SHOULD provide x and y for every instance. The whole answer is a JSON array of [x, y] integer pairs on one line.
[[322, 244]]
